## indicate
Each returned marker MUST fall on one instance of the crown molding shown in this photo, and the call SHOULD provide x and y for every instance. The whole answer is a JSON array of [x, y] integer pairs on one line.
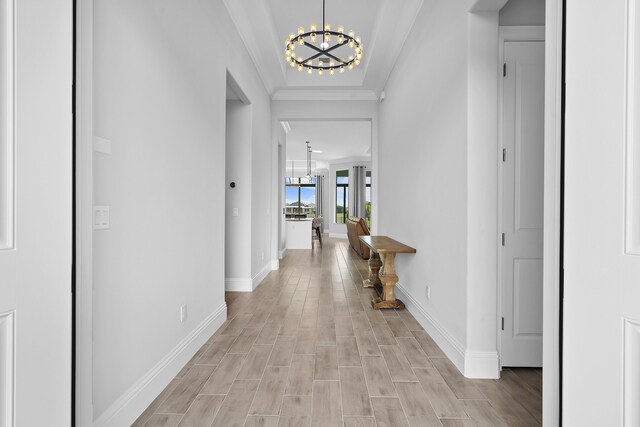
[[407, 21], [479, 6], [251, 41], [324, 95]]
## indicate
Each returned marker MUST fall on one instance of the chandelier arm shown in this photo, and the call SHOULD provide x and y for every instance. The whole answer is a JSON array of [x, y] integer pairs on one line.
[[311, 58], [317, 49], [324, 52], [341, 61]]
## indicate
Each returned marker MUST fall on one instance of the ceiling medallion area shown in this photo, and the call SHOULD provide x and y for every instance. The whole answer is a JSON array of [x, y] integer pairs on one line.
[[336, 51]]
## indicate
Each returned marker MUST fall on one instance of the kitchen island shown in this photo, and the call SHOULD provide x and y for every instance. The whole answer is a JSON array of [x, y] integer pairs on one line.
[[299, 233]]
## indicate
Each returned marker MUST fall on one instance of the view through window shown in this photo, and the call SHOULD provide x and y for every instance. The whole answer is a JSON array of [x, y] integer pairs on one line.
[[342, 196], [300, 198]]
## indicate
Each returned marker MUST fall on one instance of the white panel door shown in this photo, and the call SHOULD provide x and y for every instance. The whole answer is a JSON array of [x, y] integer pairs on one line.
[[601, 350], [522, 203], [35, 212]]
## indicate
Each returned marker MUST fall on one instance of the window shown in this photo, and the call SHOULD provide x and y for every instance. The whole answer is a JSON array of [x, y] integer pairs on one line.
[[300, 198], [367, 215], [342, 196]]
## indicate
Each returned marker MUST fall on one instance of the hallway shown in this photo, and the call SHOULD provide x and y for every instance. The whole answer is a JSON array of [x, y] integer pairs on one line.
[[306, 349]]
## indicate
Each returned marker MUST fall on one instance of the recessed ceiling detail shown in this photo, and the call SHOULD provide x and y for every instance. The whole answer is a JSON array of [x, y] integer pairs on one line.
[[326, 51], [383, 26]]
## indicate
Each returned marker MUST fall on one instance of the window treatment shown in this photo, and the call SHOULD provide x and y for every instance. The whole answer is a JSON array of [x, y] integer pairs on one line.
[[319, 197], [359, 191]]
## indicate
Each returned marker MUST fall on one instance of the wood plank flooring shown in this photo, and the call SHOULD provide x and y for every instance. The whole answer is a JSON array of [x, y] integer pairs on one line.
[[306, 349]]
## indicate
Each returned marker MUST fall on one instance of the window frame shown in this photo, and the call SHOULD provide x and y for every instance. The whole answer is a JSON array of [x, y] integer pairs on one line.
[[299, 186]]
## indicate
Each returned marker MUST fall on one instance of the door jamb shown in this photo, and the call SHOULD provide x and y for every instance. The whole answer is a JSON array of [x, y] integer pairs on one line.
[[84, 215], [507, 34], [553, 225]]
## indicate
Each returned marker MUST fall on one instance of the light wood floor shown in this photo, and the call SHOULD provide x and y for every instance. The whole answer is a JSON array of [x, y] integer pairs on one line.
[[306, 349]]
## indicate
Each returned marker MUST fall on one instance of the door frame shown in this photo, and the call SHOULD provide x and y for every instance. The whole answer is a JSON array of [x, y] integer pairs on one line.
[[84, 215], [507, 34], [553, 214]]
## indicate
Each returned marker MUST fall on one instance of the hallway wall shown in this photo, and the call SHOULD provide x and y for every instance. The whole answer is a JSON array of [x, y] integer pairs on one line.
[[423, 163], [160, 83], [438, 177]]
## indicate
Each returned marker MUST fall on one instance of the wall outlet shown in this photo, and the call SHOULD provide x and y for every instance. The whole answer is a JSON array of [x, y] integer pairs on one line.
[[428, 292], [262, 256], [183, 313]]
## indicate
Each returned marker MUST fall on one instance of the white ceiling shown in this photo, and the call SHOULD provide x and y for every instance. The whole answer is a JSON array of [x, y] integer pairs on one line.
[[338, 140], [383, 26]]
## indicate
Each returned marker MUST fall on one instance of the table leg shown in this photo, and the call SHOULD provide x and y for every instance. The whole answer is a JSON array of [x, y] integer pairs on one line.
[[374, 268], [389, 280]]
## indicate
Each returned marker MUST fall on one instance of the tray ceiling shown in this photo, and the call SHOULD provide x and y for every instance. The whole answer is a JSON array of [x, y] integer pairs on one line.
[[383, 26]]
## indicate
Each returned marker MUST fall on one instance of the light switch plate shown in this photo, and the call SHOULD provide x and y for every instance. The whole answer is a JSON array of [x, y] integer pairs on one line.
[[101, 217]]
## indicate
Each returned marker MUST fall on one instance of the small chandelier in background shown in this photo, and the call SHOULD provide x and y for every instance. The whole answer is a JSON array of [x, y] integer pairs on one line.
[[309, 177], [337, 50]]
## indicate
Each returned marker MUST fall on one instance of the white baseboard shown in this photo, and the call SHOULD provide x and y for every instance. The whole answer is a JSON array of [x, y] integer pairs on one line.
[[238, 284], [282, 253], [128, 407], [258, 278], [275, 264], [472, 364], [451, 347], [482, 364], [338, 236]]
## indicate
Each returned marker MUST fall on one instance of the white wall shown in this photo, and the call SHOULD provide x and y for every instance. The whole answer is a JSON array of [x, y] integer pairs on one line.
[[438, 177], [237, 265], [160, 98], [262, 204], [522, 12], [422, 168]]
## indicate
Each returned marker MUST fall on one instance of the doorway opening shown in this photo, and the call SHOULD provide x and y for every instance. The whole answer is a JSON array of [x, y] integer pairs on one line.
[[341, 158]]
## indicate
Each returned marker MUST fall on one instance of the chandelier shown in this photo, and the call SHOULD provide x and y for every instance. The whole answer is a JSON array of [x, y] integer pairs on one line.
[[309, 162], [337, 50]]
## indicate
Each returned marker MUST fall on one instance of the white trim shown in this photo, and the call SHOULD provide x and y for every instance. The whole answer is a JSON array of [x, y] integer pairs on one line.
[[632, 138], [135, 400], [322, 94], [7, 369], [552, 183], [451, 347], [631, 373], [506, 34], [238, 284], [282, 253], [84, 215], [275, 264], [260, 276], [338, 236], [481, 364], [254, 53], [7, 127], [246, 284]]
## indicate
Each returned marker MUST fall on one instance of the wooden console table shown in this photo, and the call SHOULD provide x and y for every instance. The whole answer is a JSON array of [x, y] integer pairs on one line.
[[382, 272]]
